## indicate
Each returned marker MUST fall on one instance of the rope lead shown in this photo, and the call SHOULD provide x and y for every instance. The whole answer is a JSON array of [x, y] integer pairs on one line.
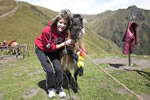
[[124, 86]]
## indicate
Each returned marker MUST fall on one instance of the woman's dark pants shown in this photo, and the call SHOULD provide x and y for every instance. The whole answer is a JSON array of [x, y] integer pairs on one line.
[[54, 78]]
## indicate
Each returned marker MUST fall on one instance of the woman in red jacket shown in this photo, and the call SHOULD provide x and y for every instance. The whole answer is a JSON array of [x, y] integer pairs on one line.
[[47, 46]]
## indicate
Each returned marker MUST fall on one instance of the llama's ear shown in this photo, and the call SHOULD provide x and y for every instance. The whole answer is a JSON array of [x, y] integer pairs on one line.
[[83, 30], [84, 21], [71, 20], [81, 20]]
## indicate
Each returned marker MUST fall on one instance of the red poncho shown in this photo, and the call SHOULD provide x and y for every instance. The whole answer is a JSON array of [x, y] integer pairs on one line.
[[130, 38]]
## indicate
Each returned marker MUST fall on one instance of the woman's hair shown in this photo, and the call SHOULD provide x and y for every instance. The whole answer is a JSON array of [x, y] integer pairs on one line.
[[65, 14]]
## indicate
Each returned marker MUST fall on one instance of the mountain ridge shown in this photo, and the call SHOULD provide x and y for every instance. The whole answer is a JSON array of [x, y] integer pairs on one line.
[[112, 25], [28, 21]]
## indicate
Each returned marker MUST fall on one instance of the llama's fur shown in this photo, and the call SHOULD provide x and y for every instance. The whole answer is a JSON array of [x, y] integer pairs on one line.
[[67, 60], [76, 33]]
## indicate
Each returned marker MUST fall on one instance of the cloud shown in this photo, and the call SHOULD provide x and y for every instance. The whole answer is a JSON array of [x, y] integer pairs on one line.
[[112, 5], [76, 6], [89, 6]]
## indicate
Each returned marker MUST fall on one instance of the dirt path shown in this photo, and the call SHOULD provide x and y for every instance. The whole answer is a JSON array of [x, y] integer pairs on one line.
[[9, 58], [118, 63], [12, 11]]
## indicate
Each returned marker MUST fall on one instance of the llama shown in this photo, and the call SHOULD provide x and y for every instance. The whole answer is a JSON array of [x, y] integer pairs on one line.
[[12, 44], [68, 57]]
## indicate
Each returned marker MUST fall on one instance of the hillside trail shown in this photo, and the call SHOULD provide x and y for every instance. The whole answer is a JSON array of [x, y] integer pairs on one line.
[[12, 11], [119, 63], [115, 63]]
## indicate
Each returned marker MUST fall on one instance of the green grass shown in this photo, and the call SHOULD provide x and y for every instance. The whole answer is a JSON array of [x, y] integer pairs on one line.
[[104, 65], [19, 79], [139, 78]]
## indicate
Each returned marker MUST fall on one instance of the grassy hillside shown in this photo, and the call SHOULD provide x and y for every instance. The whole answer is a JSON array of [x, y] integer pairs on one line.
[[6, 6], [112, 25], [96, 44], [28, 21], [24, 25]]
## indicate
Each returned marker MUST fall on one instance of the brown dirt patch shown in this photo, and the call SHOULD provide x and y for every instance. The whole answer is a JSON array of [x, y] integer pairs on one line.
[[1, 96], [32, 92], [145, 96], [117, 63], [35, 73], [6, 59]]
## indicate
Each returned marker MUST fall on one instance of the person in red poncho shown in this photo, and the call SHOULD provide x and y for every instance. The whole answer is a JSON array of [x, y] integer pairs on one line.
[[47, 46]]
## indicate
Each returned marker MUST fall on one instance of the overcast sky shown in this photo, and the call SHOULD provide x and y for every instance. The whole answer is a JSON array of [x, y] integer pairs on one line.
[[89, 6]]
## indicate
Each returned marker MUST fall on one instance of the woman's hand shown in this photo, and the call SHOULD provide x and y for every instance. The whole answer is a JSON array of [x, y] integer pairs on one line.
[[69, 42]]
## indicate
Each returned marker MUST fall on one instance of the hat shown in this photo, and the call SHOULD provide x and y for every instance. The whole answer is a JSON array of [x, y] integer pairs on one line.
[[65, 13]]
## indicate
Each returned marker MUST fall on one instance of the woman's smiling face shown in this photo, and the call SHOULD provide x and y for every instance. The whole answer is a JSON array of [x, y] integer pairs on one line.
[[61, 25]]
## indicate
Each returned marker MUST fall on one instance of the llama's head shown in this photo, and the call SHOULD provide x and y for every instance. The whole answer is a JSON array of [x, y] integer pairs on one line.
[[76, 28]]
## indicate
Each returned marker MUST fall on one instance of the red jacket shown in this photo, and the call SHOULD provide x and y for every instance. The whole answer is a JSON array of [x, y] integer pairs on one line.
[[130, 38], [56, 38]]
